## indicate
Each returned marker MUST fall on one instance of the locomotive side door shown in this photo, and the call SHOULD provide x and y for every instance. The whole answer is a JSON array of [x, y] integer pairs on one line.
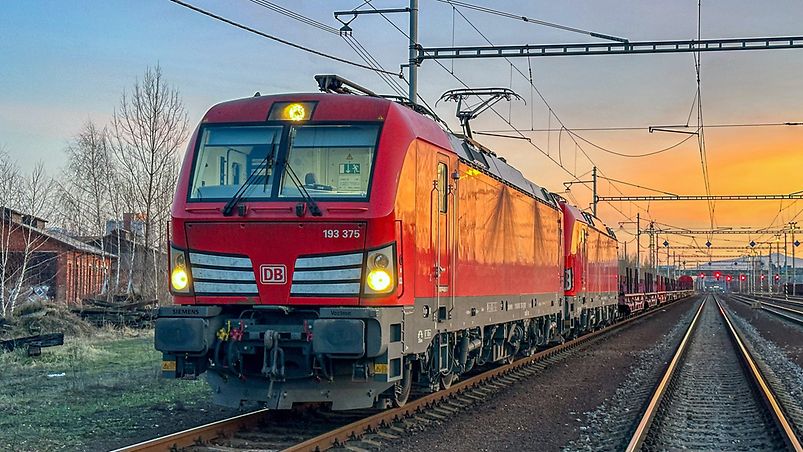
[[441, 236]]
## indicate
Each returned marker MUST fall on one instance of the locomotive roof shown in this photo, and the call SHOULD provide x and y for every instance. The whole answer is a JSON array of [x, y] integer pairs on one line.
[[479, 156], [587, 218]]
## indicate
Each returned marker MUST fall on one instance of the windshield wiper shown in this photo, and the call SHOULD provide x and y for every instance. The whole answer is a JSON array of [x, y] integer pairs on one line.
[[267, 162], [313, 206]]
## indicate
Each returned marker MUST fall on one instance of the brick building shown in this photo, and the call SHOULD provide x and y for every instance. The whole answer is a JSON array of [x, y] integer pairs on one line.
[[62, 267]]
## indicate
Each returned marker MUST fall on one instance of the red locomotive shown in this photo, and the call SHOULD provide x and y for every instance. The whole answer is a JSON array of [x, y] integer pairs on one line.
[[341, 248], [591, 268]]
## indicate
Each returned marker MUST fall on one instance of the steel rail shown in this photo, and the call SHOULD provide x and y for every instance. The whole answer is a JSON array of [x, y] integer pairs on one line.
[[201, 434], [227, 427], [358, 428], [768, 395], [655, 401], [771, 307]]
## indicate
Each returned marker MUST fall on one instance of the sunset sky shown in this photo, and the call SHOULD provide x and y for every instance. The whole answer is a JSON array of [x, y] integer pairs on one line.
[[62, 63]]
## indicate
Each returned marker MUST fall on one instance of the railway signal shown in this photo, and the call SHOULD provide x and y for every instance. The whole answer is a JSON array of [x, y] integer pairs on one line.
[[728, 278], [717, 275], [742, 277]]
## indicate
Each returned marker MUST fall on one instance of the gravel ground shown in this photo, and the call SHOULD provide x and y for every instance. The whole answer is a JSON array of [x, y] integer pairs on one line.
[[610, 425], [710, 403], [549, 411], [783, 375], [786, 335]]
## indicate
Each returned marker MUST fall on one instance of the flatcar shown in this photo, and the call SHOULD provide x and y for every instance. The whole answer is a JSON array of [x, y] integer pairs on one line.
[[341, 248]]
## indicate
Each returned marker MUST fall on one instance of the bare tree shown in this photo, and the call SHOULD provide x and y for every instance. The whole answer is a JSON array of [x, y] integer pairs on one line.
[[88, 181], [89, 171], [147, 130], [9, 199], [36, 191]]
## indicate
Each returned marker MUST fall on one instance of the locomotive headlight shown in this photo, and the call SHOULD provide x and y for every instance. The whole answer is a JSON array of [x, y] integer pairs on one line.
[[378, 280], [179, 272], [295, 112], [291, 111], [381, 261], [380, 271], [179, 279]]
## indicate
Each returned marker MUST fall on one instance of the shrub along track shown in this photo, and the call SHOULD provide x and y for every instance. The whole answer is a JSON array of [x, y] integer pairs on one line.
[[294, 431]]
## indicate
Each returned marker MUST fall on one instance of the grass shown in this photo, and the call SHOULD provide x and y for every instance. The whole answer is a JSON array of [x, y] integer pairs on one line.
[[89, 392]]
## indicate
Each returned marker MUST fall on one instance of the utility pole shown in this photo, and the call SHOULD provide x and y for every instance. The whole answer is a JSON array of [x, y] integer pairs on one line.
[[785, 268], [652, 256], [792, 225], [667, 260], [769, 270], [594, 179], [638, 251], [413, 61]]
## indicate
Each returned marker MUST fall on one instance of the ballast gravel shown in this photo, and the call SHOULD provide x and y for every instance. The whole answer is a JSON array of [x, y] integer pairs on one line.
[[551, 410], [787, 336], [611, 424]]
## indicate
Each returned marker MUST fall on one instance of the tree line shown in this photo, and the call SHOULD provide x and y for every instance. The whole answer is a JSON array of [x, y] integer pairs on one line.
[[129, 165]]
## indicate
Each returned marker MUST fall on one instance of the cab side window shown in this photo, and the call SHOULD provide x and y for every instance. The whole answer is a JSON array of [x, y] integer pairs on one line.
[[443, 195]]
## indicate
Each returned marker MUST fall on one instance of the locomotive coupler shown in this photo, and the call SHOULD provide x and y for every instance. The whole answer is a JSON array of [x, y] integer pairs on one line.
[[272, 357]]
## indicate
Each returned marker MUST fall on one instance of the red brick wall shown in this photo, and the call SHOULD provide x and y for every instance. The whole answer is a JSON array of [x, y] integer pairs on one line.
[[77, 275]]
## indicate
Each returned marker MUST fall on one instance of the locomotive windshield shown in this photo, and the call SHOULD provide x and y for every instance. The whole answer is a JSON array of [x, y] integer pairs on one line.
[[331, 161], [228, 156]]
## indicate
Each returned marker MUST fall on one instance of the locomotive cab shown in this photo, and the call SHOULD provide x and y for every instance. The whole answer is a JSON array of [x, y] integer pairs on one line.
[[284, 245]]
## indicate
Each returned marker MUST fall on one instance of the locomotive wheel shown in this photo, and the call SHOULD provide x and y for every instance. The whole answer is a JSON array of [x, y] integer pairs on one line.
[[514, 347], [402, 389]]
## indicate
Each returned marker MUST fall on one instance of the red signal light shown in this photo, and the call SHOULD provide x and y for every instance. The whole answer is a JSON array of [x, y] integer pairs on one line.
[[762, 277], [702, 275], [728, 278], [717, 275], [742, 277], [777, 277]]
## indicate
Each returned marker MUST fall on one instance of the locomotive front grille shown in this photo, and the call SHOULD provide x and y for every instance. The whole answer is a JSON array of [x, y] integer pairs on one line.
[[334, 275], [215, 274]]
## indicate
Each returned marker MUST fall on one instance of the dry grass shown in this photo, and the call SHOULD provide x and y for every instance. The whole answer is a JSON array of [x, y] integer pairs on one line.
[[89, 391], [45, 317]]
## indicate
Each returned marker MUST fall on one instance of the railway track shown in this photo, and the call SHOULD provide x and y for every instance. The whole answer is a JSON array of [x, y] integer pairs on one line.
[[790, 310], [315, 429], [714, 396]]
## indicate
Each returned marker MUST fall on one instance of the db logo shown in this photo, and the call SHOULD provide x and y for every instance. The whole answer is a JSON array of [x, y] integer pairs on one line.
[[273, 274]]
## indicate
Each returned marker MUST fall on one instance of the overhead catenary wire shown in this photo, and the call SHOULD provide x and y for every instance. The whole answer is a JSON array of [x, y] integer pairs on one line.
[[278, 39], [296, 16], [636, 185], [700, 122], [369, 59], [551, 112], [530, 20], [621, 154], [350, 40], [647, 128]]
